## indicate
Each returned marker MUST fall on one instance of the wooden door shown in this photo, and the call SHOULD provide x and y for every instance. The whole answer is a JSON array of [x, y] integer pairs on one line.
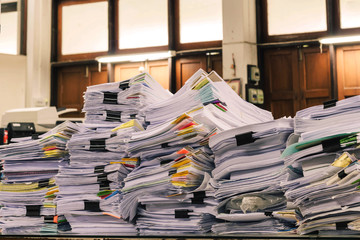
[[71, 84], [186, 67], [282, 81], [296, 78], [124, 71], [348, 71], [159, 70], [314, 76]]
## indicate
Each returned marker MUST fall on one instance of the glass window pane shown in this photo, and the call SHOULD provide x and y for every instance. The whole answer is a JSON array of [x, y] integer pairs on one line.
[[349, 14], [296, 16], [85, 28], [9, 33], [200, 21], [143, 23]]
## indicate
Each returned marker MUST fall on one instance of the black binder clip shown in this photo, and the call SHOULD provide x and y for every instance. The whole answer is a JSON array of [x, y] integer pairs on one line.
[[341, 225], [43, 183], [171, 172], [97, 144], [342, 174], [163, 162], [93, 206], [133, 116], [244, 138], [198, 197], [110, 98], [33, 210], [124, 84], [113, 116], [35, 136], [164, 145], [99, 169], [268, 214], [182, 213], [48, 219], [104, 185], [113, 134], [102, 177], [330, 103], [331, 145]]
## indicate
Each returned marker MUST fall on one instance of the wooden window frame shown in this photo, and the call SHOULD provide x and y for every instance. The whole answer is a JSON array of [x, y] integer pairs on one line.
[[263, 36], [80, 56], [337, 29], [113, 38], [133, 50], [14, 6], [188, 46]]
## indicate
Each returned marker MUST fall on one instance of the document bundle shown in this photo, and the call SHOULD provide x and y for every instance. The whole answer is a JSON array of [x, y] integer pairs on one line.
[[248, 171], [28, 185], [89, 187], [110, 104], [201, 160], [323, 169], [170, 191], [216, 104]]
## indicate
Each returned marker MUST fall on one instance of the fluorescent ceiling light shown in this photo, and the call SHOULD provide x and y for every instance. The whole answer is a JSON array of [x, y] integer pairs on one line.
[[138, 57], [340, 39]]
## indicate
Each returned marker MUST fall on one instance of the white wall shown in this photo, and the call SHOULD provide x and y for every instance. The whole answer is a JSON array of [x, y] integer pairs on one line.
[[239, 39], [12, 82], [25, 80], [38, 53]]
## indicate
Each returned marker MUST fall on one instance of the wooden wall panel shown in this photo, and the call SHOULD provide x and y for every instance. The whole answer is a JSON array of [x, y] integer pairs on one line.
[[186, 67], [159, 70], [296, 78], [72, 83], [348, 71], [315, 77], [281, 79], [125, 71]]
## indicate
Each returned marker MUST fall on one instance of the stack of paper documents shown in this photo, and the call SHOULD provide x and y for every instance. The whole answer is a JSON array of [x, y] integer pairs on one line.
[[217, 104], [167, 178], [333, 117], [28, 181], [89, 187], [248, 172], [107, 105], [328, 200], [322, 167], [173, 193]]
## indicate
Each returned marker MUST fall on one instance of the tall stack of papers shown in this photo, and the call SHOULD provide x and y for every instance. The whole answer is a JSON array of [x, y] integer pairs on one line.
[[171, 183], [89, 187], [110, 104], [248, 173], [331, 118], [165, 183], [217, 104], [322, 167], [181, 201], [27, 185]]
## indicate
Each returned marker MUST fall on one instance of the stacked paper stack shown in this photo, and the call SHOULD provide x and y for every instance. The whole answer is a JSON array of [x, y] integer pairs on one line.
[[175, 197], [163, 185], [216, 104], [110, 104], [323, 169], [27, 186], [248, 173], [89, 188]]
